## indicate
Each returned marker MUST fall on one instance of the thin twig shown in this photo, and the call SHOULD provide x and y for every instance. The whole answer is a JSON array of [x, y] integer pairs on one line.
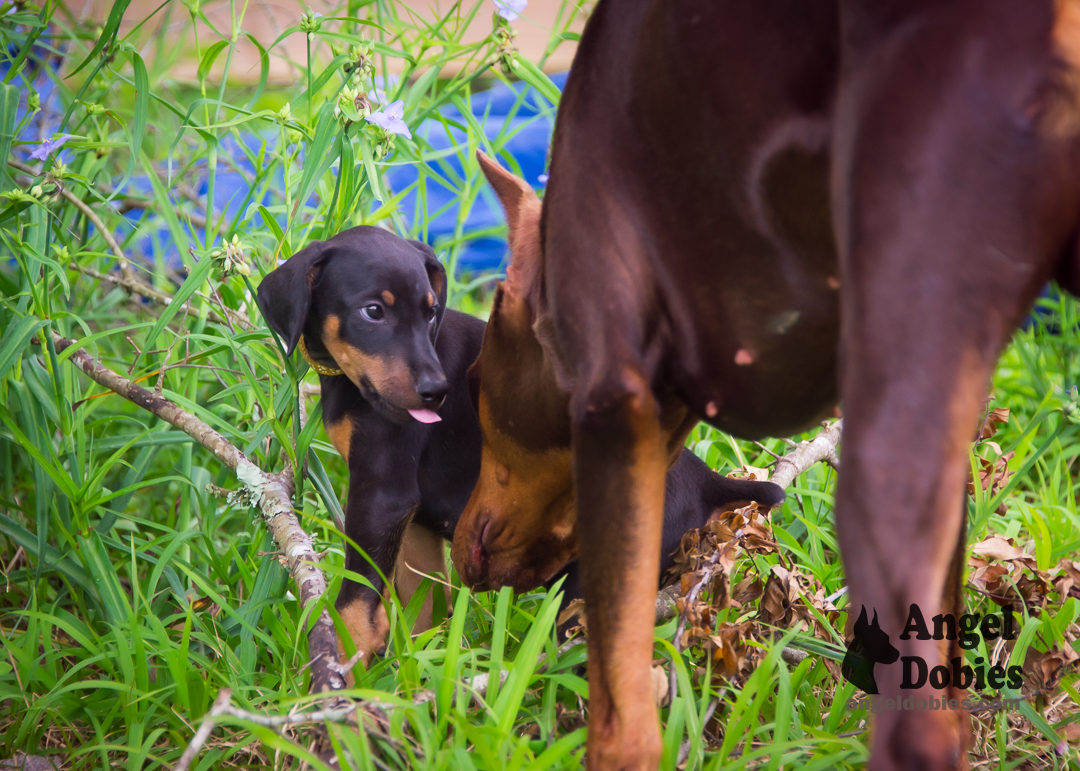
[[150, 293], [205, 728], [684, 748]]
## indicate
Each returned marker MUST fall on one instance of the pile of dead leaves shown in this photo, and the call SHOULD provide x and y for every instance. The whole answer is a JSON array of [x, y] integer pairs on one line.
[[736, 543], [1007, 575]]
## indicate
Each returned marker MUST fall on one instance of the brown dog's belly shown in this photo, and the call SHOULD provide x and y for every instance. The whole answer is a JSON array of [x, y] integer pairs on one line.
[[716, 254]]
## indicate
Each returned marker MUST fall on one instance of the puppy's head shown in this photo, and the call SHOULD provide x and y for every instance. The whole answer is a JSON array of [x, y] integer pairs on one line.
[[370, 303]]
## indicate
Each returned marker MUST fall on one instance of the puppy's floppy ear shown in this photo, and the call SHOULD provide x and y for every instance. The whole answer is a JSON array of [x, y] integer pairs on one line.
[[285, 294], [436, 277]]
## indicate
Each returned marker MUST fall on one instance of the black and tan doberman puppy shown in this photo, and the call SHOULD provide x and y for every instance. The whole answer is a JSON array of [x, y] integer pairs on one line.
[[365, 309], [756, 209]]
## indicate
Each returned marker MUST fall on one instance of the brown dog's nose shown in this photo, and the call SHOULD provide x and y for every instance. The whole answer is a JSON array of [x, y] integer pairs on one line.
[[474, 571]]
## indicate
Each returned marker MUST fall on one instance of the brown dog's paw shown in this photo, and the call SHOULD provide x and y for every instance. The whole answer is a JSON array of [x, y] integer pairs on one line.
[[929, 741]]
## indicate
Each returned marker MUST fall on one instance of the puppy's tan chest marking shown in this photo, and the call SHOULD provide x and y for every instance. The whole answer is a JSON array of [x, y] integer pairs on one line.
[[340, 434]]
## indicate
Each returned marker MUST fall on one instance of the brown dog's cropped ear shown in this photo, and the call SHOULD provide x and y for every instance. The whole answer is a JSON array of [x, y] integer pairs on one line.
[[436, 277], [285, 294], [514, 193], [522, 207]]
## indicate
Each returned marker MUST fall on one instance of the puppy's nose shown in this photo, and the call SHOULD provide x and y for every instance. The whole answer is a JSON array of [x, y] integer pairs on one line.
[[433, 391]]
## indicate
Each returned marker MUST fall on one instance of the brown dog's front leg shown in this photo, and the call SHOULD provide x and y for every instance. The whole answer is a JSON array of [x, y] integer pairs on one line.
[[620, 460]]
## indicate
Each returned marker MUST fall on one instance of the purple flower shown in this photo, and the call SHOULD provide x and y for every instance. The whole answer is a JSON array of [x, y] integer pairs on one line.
[[511, 9], [390, 119], [50, 146], [542, 179]]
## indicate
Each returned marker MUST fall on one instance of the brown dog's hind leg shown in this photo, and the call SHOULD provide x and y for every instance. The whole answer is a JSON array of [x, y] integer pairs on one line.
[[950, 212]]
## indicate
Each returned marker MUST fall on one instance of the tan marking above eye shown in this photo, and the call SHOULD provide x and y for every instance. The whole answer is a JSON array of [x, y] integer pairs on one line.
[[388, 297], [429, 298]]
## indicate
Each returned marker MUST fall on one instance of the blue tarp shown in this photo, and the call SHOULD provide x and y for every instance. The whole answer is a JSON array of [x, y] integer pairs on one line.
[[514, 117]]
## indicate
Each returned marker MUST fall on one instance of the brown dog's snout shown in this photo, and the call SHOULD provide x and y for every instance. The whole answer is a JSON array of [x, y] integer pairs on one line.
[[477, 557]]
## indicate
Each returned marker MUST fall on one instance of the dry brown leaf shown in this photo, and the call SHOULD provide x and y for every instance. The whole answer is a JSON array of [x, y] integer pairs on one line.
[[750, 472], [574, 609], [1045, 668], [660, 685], [993, 419], [998, 548]]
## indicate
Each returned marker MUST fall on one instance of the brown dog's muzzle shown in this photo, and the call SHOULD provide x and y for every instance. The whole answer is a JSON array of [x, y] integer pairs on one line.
[[507, 546]]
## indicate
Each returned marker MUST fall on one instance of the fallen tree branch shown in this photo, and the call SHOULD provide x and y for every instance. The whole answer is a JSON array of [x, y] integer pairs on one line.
[[821, 448], [272, 493]]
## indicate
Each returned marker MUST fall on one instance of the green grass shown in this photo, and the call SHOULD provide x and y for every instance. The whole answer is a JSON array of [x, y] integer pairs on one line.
[[132, 595]]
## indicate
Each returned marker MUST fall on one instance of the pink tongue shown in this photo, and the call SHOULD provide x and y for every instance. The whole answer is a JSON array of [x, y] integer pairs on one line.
[[425, 416]]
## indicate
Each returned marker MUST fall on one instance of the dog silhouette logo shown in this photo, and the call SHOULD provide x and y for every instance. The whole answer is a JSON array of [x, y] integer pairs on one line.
[[870, 646]]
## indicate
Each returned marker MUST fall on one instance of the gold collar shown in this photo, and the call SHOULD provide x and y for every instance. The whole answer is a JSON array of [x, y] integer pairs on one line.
[[322, 369]]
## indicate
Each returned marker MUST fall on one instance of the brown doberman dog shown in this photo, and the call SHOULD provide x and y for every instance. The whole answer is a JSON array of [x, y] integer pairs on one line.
[[757, 208], [366, 309]]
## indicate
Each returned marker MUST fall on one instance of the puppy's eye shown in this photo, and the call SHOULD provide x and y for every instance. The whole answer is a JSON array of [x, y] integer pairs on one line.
[[372, 312], [434, 314]]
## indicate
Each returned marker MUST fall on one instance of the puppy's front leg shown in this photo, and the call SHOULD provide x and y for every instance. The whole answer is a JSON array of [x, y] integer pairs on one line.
[[376, 525]]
